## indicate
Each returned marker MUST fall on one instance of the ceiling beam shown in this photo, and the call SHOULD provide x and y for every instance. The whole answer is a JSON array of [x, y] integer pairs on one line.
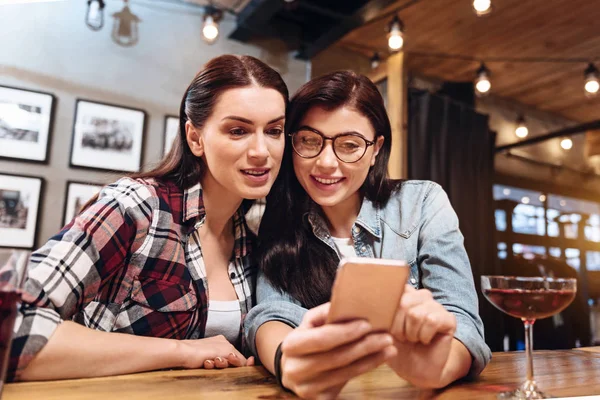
[[574, 130], [363, 15], [257, 13]]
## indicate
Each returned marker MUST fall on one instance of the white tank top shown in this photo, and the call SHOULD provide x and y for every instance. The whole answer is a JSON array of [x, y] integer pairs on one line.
[[224, 318]]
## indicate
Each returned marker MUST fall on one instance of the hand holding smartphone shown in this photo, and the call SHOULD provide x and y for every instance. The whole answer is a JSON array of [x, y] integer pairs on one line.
[[368, 288]]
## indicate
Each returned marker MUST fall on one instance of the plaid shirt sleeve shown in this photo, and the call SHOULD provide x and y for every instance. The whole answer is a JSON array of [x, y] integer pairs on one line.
[[66, 273]]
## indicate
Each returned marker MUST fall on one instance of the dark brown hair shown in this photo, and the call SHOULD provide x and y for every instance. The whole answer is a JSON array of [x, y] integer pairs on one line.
[[290, 256]]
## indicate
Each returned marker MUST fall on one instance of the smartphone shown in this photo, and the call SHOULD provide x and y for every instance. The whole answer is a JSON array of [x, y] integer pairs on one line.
[[368, 288]]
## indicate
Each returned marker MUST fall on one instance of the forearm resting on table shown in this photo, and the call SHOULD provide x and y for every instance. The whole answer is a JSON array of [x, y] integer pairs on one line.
[[268, 337], [458, 364], [75, 351]]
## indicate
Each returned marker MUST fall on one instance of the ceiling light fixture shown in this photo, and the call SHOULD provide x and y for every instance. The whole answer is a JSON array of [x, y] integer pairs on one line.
[[395, 34], [375, 60], [521, 130], [482, 82], [94, 18], [566, 143], [592, 82], [482, 7], [210, 27]]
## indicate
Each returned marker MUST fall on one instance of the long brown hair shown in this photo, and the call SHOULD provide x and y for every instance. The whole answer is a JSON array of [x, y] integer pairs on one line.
[[291, 257], [218, 75]]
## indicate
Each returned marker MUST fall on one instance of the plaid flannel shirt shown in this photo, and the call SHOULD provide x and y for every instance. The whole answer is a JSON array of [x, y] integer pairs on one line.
[[129, 263]]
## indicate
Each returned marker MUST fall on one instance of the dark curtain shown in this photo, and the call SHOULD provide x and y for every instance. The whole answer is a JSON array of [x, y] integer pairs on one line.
[[451, 144]]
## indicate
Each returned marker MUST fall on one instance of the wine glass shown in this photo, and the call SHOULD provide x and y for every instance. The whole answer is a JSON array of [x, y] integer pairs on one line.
[[528, 299], [12, 276]]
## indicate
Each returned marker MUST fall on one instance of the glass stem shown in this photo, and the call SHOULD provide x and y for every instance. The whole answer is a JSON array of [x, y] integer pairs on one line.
[[529, 347]]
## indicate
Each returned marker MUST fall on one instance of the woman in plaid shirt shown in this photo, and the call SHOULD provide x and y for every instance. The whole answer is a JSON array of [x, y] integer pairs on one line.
[[125, 286]]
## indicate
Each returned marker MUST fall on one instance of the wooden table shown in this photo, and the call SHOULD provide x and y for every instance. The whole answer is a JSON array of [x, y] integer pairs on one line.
[[559, 372]]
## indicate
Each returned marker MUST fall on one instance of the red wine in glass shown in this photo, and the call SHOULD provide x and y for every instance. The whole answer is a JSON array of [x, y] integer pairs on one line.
[[8, 314], [528, 299], [530, 304]]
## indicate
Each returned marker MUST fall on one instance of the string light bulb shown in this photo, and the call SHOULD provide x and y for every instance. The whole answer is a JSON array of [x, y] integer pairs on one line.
[[375, 60], [566, 143], [482, 7], [94, 17], [396, 34], [482, 81], [521, 130], [210, 27], [592, 81]]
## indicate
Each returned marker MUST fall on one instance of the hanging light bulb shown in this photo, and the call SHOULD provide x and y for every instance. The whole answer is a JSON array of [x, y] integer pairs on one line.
[[396, 34], [592, 82], [482, 82], [375, 60], [482, 7], [566, 143], [210, 28], [94, 18], [521, 130]]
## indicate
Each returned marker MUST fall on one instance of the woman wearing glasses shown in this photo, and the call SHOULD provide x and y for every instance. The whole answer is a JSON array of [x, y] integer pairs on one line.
[[333, 199]]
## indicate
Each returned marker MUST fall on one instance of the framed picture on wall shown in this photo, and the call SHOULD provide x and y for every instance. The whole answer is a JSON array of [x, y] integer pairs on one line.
[[107, 136], [20, 198], [26, 120], [171, 130], [77, 194]]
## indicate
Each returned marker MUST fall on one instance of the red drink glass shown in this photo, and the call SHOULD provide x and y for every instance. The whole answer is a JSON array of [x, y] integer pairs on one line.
[[11, 280], [528, 299]]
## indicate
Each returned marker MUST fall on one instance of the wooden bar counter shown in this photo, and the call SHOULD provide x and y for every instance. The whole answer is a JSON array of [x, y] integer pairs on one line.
[[561, 373]]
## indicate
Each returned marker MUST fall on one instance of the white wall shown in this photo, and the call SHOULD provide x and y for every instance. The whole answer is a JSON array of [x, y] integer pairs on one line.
[[48, 47]]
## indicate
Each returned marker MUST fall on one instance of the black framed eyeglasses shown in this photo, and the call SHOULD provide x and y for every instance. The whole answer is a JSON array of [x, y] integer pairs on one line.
[[347, 147]]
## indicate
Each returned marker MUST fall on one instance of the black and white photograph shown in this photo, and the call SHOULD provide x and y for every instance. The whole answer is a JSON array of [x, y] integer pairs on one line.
[[77, 194], [107, 137], [170, 133], [25, 124], [19, 207]]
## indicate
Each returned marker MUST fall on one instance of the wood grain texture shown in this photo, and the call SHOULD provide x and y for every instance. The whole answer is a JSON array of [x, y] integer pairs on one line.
[[515, 28], [559, 372], [397, 109]]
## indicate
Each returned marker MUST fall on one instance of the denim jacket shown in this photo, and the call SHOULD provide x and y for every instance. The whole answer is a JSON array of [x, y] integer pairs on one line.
[[417, 225]]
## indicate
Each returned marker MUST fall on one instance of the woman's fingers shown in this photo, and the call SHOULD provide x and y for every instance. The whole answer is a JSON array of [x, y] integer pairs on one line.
[[324, 382], [208, 364], [221, 363], [316, 316], [250, 361], [415, 318], [310, 366], [234, 361], [412, 298], [323, 338], [420, 318]]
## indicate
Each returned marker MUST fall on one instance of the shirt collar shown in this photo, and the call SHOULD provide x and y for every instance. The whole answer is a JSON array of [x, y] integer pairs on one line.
[[193, 206], [368, 219], [193, 209]]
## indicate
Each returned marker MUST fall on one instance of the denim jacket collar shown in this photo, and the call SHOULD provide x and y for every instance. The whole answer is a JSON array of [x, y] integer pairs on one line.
[[368, 219]]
